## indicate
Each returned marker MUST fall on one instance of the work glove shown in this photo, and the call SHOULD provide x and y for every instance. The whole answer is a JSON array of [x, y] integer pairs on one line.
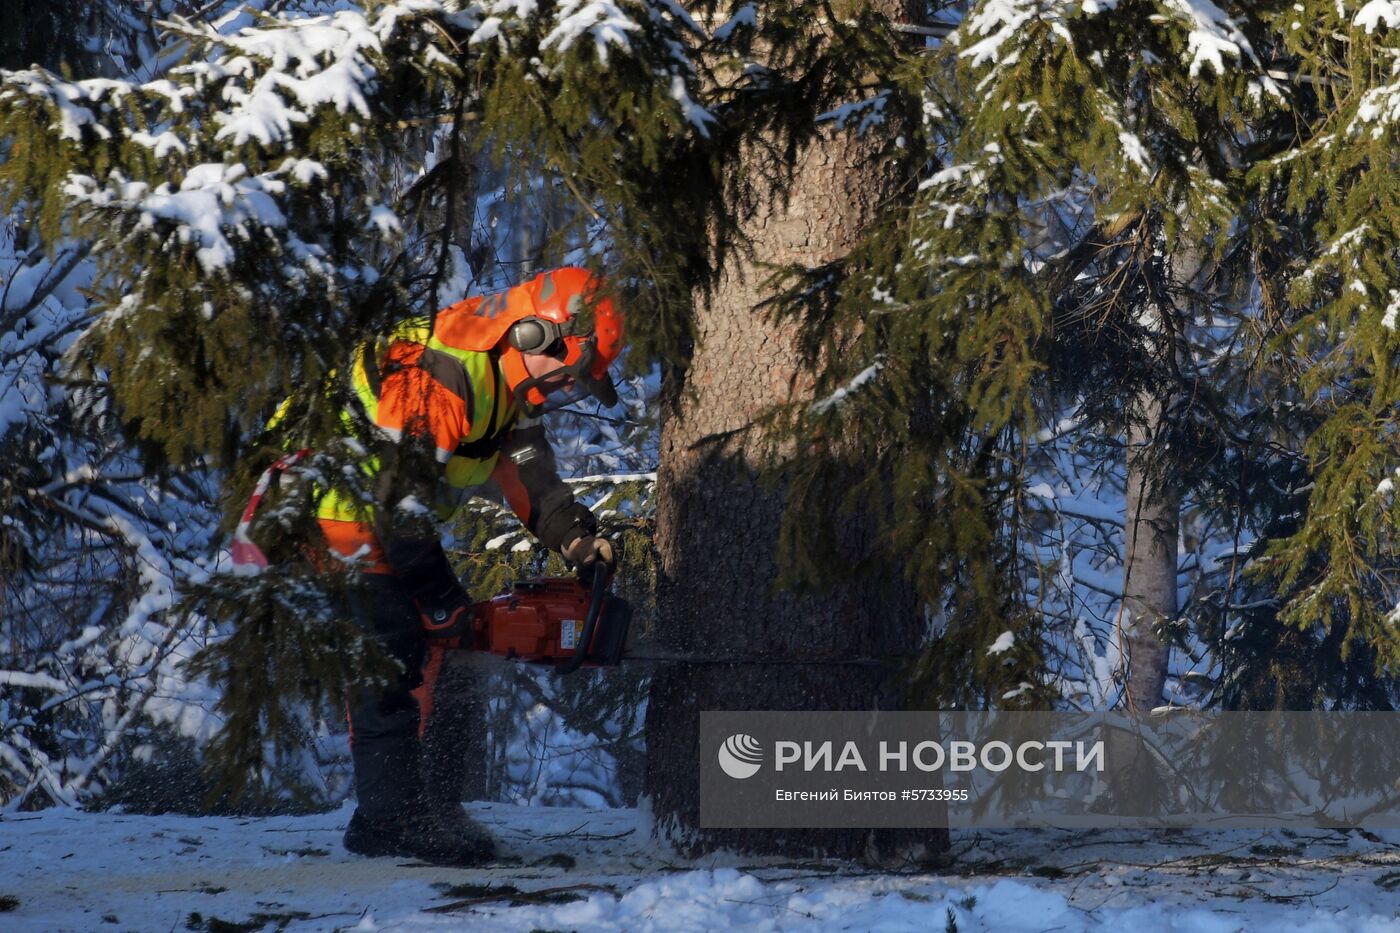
[[589, 554], [447, 618]]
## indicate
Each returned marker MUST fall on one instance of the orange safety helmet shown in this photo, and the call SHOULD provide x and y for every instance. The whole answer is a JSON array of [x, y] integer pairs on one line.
[[563, 312]]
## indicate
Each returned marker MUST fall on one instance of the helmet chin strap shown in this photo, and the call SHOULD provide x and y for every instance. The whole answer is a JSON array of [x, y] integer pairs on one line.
[[522, 395], [528, 408], [535, 409], [571, 398], [531, 383]]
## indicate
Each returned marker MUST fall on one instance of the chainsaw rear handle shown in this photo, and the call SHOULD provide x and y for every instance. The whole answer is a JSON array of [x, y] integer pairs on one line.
[[590, 622]]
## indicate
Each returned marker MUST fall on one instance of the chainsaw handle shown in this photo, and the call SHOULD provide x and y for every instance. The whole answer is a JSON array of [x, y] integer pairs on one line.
[[590, 622]]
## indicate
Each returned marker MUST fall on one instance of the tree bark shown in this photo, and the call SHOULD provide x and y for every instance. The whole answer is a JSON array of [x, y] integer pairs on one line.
[[1153, 503], [717, 527], [1150, 539]]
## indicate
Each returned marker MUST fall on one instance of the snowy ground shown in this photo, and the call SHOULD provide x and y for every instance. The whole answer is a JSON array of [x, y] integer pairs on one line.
[[595, 870]]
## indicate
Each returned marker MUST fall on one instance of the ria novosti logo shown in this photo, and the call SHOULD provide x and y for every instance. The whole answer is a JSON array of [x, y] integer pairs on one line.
[[740, 756]]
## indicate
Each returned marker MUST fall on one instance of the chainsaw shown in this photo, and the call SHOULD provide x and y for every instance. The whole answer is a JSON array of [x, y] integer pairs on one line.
[[554, 620], [549, 620]]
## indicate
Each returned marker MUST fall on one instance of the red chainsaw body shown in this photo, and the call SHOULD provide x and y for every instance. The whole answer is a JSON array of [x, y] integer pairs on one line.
[[543, 619], [536, 620]]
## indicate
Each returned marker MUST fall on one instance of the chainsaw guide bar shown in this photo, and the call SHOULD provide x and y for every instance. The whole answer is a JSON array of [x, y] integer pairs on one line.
[[560, 621]]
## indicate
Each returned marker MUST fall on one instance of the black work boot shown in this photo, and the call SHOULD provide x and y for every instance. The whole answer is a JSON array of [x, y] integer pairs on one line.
[[442, 839], [455, 822]]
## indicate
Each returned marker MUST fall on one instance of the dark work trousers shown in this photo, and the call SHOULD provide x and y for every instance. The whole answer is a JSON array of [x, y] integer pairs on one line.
[[384, 726], [402, 764]]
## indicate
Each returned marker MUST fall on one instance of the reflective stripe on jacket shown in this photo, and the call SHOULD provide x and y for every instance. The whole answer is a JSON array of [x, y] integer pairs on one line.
[[411, 381], [459, 397]]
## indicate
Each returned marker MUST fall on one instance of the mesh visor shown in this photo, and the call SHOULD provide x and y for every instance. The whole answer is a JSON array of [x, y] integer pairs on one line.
[[580, 369], [601, 389]]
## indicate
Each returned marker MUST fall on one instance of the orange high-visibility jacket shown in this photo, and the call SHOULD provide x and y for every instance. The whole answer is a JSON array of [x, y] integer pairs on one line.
[[417, 380]]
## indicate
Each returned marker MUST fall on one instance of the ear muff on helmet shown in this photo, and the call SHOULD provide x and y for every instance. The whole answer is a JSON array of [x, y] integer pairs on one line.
[[538, 335], [562, 313]]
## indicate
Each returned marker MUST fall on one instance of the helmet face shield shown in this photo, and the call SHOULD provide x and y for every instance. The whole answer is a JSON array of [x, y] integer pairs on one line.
[[579, 367], [555, 401], [586, 372], [601, 389], [564, 314], [557, 381]]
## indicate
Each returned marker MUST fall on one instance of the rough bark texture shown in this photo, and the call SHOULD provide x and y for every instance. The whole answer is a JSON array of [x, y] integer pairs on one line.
[[717, 530]]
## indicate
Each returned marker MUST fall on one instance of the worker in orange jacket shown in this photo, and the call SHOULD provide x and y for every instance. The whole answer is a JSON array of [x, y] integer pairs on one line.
[[457, 400]]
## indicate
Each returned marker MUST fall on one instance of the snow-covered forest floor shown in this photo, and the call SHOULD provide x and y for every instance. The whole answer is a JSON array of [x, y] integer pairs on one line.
[[580, 869]]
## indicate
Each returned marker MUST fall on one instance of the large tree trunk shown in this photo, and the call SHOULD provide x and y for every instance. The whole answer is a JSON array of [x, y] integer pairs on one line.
[[717, 529]]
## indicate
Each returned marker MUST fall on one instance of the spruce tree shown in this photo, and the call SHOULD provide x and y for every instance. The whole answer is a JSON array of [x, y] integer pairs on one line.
[[1334, 187], [1158, 222], [723, 487], [92, 554], [1150, 219], [1070, 159], [251, 228]]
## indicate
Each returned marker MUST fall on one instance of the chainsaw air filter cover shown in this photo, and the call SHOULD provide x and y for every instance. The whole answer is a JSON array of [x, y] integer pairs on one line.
[[542, 620]]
